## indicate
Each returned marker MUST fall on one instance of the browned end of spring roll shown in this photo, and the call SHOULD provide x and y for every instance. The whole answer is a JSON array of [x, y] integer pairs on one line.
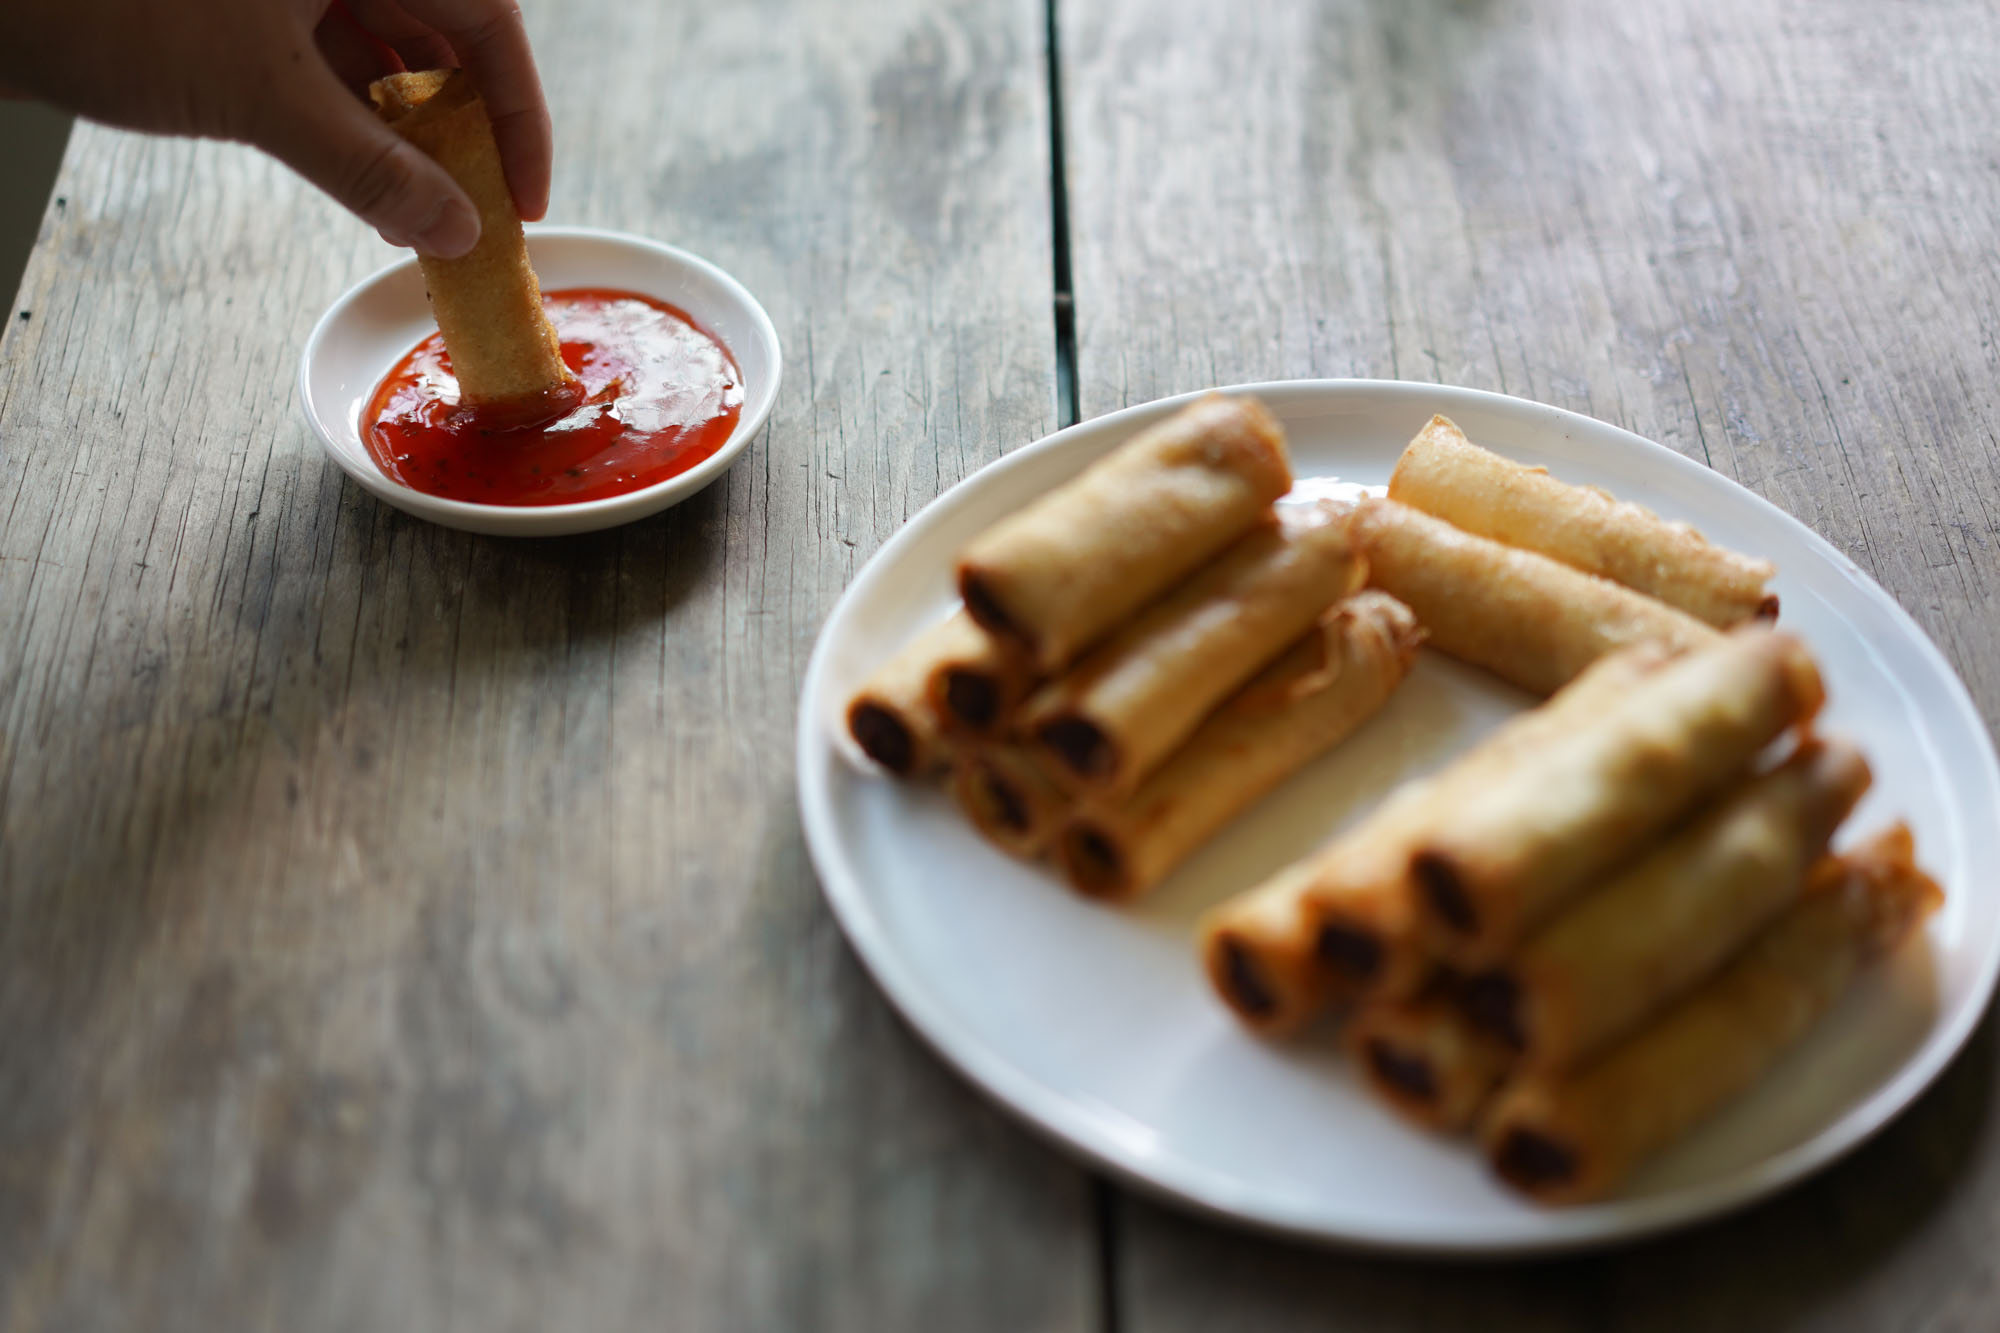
[[1300, 706], [1257, 949], [1880, 879], [1528, 619], [892, 717], [1058, 575], [1590, 797], [1446, 475], [1422, 1057], [1573, 1138], [894, 734], [1362, 918], [1003, 790], [1130, 702], [976, 682], [488, 305], [1657, 928]]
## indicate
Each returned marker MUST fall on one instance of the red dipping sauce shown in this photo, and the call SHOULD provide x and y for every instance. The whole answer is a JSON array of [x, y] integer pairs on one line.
[[659, 396]]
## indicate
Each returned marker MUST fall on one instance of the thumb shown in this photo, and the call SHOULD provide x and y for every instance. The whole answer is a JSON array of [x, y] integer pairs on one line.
[[322, 132]]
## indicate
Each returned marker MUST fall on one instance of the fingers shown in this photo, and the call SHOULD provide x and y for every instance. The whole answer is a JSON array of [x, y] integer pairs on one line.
[[357, 56], [426, 51], [325, 135], [492, 46], [420, 45]]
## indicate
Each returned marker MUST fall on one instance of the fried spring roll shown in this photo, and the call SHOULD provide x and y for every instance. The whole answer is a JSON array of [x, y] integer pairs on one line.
[[891, 716], [977, 682], [488, 305], [1361, 899], [1058, 575], [1343, 921], [1630, 948], [1446, 475], [1004, 792], [1130, 702], [1302, 705], [1526, 618], [1425, 1059], [1589, 797], [1574, 1138], [1258, 951]]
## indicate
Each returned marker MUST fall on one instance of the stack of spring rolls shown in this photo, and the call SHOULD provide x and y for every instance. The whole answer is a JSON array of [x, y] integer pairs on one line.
[[1143, 653], [1575, 941], [1594, 928]]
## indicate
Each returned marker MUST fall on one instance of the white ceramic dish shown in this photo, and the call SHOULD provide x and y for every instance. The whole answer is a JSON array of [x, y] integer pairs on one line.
[[379, 319], [1095, 1024]]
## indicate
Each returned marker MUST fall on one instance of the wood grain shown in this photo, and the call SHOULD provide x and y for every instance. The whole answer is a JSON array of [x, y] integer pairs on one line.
[[406, 929], [403, 929], [1758, 233]]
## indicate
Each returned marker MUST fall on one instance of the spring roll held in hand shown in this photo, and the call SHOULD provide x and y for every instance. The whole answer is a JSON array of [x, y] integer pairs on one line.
[[1300, 706], [488, 305], [1004, 792], [1131, 701], [1526, 618], [891, 717], [1588, 798], [1573, 1138], [1446, 475], [1058, 575], [1657, 928], [1425, 1059], [1343, 921]]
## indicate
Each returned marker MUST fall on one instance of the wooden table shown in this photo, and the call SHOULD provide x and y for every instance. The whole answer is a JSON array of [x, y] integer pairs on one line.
[[408, 930]]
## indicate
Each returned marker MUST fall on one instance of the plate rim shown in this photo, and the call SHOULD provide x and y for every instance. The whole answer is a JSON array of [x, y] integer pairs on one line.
[[561, 519], [1185, 1183]]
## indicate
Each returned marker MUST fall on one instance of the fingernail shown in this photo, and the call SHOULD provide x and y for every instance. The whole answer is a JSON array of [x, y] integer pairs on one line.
[[455, 231]]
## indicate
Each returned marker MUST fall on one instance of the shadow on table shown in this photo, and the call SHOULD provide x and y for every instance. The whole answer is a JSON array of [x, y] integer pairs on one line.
[[268, 731], [259, 806], [1838, 1243]]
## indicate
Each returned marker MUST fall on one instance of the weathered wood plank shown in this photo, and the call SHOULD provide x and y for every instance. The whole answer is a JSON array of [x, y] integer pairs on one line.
[[1760, 234], [402, 929]]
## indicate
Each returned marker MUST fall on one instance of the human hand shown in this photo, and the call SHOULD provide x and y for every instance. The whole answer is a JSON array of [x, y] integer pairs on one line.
[[288, 76]]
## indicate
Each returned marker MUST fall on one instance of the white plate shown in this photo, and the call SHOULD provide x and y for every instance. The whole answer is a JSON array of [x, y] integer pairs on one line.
[[379, 319], [1095, 1023]]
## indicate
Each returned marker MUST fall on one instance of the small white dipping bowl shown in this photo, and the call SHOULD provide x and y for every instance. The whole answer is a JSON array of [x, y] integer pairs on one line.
[[376, 323]]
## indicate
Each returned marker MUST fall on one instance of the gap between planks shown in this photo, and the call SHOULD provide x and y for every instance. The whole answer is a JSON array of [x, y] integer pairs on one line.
[[1103, 1194]]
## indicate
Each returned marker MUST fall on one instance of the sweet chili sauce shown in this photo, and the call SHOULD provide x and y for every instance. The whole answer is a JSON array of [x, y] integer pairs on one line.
[[659, 396]]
